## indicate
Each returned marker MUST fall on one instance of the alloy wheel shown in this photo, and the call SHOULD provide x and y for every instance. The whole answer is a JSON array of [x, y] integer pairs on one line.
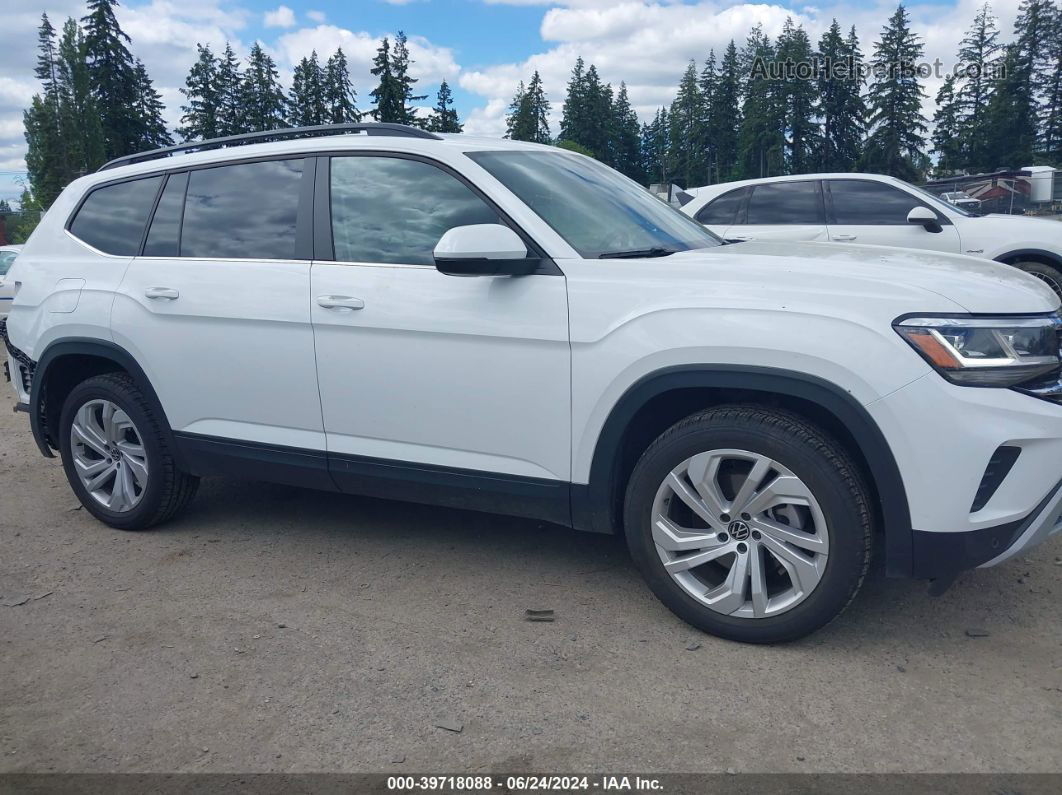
[[740, 533], [108, 455]]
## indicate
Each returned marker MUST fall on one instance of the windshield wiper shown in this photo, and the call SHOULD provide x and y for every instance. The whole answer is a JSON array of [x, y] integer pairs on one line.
[[638, 253]]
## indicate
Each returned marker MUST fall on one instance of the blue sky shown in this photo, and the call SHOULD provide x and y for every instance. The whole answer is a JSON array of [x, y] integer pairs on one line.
[[481, 47]]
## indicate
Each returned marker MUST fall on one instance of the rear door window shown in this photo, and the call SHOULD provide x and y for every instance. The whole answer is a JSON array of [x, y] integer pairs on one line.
[[242, 211], [786, 203], [112, 218], [723, 211]]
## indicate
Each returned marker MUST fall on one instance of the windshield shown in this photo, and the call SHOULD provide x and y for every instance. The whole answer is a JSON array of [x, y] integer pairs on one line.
[[599, 212], [940, 202], [6, 258]]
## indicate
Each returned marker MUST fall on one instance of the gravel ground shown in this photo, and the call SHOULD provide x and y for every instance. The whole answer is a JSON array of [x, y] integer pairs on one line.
[[275, 629]]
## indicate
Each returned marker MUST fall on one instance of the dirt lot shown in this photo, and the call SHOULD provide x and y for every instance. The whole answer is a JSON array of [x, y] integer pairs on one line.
[[273, 629]]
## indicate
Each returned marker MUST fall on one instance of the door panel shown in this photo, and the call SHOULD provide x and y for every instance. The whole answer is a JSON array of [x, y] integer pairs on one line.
[[874, 213], [789, 210], [219, 316], [469, 373]]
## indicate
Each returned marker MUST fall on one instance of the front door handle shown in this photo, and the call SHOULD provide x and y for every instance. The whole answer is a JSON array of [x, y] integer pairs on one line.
[[842, 238], [162, 292], [740, 238], [340, 302]]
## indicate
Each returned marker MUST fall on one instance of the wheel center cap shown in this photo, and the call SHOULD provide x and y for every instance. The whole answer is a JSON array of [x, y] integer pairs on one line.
[[738, 530]]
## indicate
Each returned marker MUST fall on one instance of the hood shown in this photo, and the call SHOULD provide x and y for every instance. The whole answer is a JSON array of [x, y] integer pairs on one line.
[[976, 285]]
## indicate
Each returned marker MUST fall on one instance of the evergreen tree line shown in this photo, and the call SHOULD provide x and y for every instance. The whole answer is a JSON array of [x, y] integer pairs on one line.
[[97, 101], [788, 106], [746, 114]]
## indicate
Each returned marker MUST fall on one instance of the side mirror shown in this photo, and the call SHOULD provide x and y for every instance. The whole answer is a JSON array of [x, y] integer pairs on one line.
[[483, 250], [924, 217]]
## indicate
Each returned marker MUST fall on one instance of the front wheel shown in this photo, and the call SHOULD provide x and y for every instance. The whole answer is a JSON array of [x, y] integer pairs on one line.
[[1049, 275], [116, 457], [749, 523]]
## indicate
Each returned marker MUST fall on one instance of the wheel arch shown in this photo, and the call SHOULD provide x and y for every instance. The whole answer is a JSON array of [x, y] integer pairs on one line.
[[66, 363], [1031, 255], [659, 399]]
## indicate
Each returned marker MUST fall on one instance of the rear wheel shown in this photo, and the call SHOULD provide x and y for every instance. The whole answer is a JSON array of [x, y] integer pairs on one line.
[[751, 524], [1048, 274], [116, 457]]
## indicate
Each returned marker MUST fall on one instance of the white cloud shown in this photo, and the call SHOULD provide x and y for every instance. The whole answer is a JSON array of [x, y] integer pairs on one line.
[[280, 17], [432, 63], [315, 16]]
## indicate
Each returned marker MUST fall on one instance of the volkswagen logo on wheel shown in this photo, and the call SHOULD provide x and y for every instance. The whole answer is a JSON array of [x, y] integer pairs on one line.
[[739, 531]]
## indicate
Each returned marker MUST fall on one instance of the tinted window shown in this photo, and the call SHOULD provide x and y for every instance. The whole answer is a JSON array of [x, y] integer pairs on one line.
[[723, 210], [388, 209], [598, 211], [786, 203], [6, 258], [112, 218], [164, 236], [862, 202], [245, 211]]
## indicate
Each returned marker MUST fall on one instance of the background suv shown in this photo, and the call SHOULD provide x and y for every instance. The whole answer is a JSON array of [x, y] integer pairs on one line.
[[515, 328], [877, 210]]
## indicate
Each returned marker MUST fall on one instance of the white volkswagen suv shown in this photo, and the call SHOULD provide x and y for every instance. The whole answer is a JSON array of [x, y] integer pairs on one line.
[[515, 328], [876, 210]]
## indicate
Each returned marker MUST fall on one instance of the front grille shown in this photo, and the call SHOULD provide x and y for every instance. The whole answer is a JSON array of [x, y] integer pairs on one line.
[[999, 466]]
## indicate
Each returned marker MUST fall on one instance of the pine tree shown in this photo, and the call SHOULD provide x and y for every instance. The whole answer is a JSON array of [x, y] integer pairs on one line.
[[1012, 116], [588, 112], [687, 133], [393, 95], [656, 148], [948, 121], [897, 138], [626, 136], [112, 74], [979, 53], [79, 117], [573, 119], [340, 97], [306, 103], [799, 102], [47, 158], [231, 114], [761, 140], [263, 102], [528, 117], [149, 108], [724, 116], [200, 119], [400, 63], [840, 84], [443, 117], [1051, 108]]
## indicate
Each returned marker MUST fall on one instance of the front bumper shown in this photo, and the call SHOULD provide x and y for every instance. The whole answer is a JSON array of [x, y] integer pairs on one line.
[[943, 437]]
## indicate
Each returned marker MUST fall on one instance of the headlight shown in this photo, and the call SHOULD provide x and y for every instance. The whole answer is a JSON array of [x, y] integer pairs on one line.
[[985, 351]]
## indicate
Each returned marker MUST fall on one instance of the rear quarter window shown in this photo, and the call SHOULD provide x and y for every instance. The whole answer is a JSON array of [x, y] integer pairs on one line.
[[111, 219]]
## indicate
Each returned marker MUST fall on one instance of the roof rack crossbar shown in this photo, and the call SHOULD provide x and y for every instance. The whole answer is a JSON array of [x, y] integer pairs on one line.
[[363, 128]]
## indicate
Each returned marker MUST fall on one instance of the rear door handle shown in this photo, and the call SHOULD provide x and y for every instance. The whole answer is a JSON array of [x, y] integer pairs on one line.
[[340, 302], [739, 238], [842, 237], [162, 292]]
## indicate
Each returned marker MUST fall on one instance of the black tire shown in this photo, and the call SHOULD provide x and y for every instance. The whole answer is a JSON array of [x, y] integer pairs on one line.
[[1048, 274], [809, 453], [169, 489]]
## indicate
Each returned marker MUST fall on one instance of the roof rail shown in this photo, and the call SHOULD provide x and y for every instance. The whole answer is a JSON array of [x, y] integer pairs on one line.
[[362, 128]]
